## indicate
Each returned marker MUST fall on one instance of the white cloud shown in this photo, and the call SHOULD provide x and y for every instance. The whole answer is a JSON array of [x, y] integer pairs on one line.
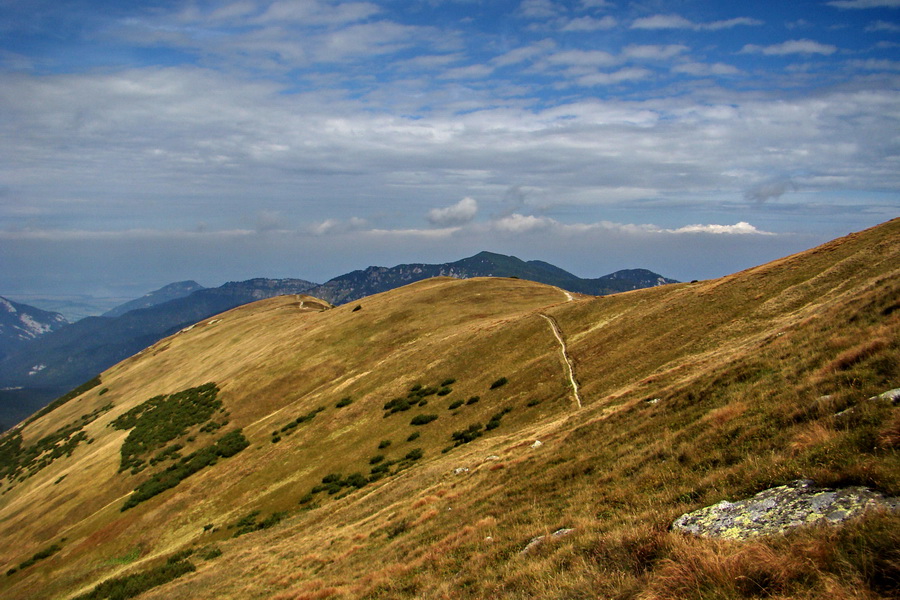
[[662, 22], [317, 12], [790, 47], [338, 226], [741, 228], [581, 58], [883, 26], [865, 3], [460, 213], [589, 4], [729, 23], [590, 24], [524, 53], [620, 76], [468, 72], [653, 52], [679, 22], [539, 9], [706, 69], [519, 224]]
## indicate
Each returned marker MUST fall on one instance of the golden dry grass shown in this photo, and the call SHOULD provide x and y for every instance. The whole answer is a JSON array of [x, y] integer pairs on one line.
[[693, 393]]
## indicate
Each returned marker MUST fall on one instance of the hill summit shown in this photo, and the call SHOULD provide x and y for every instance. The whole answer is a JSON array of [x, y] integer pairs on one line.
[[473, 438]]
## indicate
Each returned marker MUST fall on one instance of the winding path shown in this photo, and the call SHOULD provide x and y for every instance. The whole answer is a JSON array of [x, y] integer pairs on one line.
[[565, 353]]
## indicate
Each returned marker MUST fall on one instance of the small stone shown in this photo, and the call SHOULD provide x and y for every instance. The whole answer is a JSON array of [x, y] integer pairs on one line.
[[537, 444], [460, 470]]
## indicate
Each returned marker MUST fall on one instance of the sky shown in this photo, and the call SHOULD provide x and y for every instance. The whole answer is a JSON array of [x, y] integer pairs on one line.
[[148, 142]]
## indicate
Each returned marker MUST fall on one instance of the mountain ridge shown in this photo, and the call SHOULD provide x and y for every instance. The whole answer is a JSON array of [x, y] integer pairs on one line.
[[45, 368], [172, 291], [372, 280]]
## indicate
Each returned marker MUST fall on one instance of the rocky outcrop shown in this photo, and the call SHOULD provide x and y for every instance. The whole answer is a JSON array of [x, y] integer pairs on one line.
[[779, 509]]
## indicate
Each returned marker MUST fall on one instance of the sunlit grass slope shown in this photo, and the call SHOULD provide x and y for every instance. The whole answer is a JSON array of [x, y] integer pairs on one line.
[[392, 443]]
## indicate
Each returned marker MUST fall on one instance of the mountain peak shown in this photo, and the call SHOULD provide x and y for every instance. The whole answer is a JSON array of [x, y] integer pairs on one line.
[[164, 294]]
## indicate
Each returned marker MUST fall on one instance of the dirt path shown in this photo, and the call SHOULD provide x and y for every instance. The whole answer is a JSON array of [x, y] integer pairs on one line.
[[565, 353]]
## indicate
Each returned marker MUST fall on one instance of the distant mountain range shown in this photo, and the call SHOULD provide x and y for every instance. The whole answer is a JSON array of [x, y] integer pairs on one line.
[[374, 280], [20, 324], [65, 355], [173, 291]]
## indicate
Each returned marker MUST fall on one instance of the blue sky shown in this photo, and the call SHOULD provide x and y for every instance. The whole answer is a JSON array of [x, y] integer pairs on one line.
[[148, 142]]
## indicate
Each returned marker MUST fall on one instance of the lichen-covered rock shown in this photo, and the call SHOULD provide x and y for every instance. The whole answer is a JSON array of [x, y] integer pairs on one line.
[[892, 396], [779, 509]]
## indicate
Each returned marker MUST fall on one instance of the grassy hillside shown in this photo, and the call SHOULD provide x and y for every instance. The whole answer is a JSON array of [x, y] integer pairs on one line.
[[390, 444]]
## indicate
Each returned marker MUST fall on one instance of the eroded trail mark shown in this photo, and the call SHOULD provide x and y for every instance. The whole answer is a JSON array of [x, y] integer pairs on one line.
[[565, 353]]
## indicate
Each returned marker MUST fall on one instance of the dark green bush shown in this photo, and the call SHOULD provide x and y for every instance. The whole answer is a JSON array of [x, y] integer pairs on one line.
[[376, 459], [344, 402], [398, 405], [469, 434], [384, 444], [423, 419], [414, 454], [444, 391], [499, 383], [473, 400], [455, 405], [447, 382], [413, 436]]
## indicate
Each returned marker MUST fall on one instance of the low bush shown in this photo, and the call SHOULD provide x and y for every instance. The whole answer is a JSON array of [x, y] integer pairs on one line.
[[469, 434], [344, 402], [455, 405], [423, 419], [499, 383]]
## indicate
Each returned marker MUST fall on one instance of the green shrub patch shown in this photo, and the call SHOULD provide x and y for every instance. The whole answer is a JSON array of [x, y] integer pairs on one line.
[[19, 461], [129, 586], [228, 445], [162, 419]]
